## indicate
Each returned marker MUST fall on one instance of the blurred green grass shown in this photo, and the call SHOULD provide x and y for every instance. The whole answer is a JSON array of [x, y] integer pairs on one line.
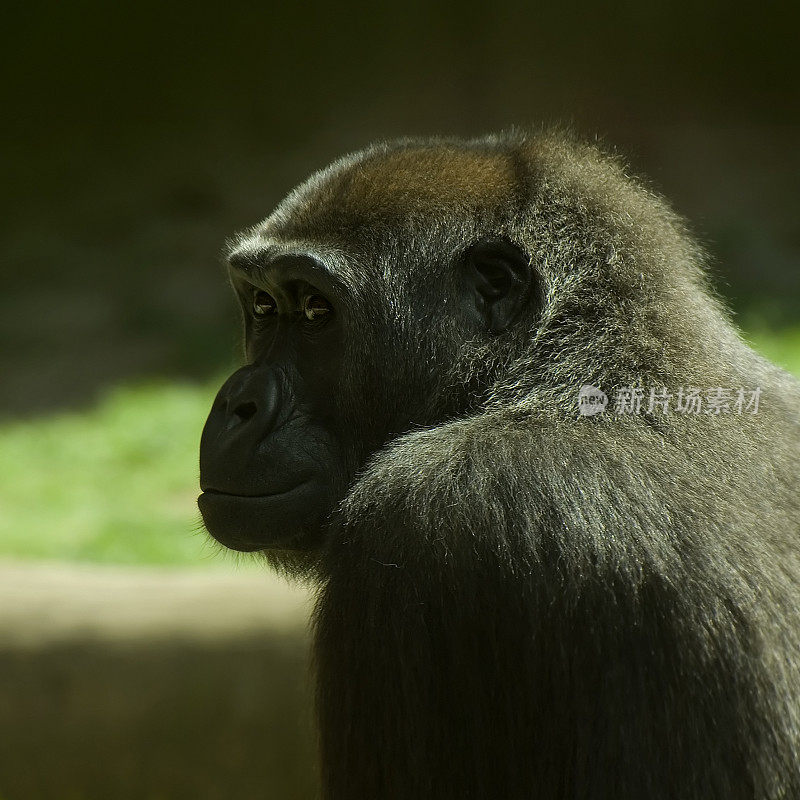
[[118, 483], [780, 347]]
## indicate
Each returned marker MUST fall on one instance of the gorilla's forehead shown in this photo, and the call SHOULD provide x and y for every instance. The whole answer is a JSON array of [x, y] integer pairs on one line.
[[395, 186], [390, 197]]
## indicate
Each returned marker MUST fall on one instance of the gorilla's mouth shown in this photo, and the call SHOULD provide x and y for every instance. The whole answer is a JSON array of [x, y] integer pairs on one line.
[[249, 522], [245, 496]]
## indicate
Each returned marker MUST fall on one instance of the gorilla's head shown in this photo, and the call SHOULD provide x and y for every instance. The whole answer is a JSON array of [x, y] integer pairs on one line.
[[373, 300]]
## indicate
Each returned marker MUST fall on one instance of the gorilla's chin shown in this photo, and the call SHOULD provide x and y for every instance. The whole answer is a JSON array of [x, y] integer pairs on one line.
[[270, 522]]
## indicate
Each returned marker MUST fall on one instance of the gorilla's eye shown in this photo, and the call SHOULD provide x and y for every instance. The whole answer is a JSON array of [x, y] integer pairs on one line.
[[263, 304], [316, 307]]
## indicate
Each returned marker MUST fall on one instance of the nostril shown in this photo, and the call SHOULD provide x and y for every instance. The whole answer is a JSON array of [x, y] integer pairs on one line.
[[245, 411]]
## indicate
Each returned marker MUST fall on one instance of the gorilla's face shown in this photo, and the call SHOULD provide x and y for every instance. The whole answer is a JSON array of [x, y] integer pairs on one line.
[[340, 361], [270, 451]]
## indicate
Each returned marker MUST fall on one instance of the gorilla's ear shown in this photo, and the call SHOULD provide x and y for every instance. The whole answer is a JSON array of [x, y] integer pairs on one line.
[[497, 281]]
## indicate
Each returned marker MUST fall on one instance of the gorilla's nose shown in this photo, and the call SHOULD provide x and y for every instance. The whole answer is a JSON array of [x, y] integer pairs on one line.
[[245, 410], [249, 399]]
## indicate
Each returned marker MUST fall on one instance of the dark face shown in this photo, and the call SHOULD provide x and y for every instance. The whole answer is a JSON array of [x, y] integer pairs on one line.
[[270, 451]]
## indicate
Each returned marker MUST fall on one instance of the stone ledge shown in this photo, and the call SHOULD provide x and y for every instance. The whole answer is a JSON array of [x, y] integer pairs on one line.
[[153, 684]]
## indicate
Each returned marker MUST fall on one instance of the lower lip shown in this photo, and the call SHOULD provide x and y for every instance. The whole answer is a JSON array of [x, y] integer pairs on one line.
[[218, 493], [231, 505]]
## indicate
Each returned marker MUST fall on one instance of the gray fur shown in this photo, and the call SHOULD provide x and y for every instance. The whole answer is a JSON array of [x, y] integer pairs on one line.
[[515, 601]]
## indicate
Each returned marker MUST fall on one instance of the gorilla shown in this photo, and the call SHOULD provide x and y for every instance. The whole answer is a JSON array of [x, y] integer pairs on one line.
[[465, 417]]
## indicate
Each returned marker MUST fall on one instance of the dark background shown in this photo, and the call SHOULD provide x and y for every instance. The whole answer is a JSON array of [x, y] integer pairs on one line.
[[136, 137]]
